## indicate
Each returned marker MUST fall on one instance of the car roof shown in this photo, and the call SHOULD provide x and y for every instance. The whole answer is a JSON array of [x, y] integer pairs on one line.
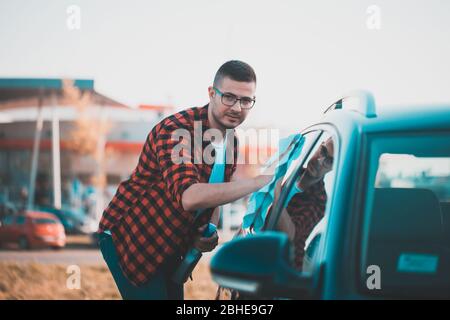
[[392, 119], [39, 214]]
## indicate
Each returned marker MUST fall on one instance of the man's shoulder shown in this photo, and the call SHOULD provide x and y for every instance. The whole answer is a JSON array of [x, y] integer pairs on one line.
[[183, 119]]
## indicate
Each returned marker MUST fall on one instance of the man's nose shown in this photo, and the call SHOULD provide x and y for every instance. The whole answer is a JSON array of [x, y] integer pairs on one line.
[[322, 163], [237, 107]]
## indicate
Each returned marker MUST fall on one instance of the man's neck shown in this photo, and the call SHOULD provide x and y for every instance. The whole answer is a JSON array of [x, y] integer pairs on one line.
[[214, 124]]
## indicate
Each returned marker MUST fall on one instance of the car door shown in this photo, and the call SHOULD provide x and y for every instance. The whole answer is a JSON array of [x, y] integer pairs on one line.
[[19, 227], [6, 229]]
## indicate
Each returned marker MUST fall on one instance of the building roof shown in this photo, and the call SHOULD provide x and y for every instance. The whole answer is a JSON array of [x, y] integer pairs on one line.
[[30, 92]]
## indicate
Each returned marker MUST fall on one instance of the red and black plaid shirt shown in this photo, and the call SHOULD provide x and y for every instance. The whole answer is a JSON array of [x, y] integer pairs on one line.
[[306, 209], [146, 217]]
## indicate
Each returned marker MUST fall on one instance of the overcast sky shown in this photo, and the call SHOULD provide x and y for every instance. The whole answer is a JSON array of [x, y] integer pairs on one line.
[[305, 53]]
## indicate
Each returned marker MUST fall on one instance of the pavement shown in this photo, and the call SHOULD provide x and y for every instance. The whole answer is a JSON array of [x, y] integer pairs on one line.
[[78, 251], [63, 256]]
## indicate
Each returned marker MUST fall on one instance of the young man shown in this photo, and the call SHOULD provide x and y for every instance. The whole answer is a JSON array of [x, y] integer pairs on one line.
[[149, 224]]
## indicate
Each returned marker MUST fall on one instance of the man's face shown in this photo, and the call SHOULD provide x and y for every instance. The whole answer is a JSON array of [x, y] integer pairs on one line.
[[225, 116], [322, 160]]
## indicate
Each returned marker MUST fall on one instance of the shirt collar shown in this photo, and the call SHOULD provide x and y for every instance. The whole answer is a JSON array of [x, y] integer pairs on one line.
[[204, 117]]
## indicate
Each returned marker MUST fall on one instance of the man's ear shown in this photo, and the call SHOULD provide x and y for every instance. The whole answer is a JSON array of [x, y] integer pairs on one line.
[[211, 93]]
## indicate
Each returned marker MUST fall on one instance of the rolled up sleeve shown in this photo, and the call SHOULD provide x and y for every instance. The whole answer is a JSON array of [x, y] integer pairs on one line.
[[175, 158]]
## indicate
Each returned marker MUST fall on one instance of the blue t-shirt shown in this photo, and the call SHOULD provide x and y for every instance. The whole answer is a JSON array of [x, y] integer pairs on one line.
[[218, 170]]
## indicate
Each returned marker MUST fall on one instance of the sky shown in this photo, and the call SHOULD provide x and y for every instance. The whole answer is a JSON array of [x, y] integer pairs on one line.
[[305, 53]]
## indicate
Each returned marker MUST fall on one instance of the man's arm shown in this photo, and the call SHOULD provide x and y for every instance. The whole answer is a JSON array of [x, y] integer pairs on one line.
[[210, 195]]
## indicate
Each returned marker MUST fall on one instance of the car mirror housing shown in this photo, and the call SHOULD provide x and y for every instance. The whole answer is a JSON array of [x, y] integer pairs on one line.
[[259, 265]]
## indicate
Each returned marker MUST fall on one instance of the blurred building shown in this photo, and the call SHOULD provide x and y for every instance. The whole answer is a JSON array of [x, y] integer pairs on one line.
[[94, 142], [63, 144]]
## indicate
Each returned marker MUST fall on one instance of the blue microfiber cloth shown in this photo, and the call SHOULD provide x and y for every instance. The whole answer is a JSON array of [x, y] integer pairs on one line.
[[260, 200]]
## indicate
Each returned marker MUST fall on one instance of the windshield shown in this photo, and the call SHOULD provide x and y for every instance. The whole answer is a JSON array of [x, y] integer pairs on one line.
[[44, 221]]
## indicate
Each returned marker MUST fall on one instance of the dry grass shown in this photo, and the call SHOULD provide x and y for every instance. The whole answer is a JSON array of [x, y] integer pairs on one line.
[[78, 240], [41, 281], [202, 287], [48, 282]]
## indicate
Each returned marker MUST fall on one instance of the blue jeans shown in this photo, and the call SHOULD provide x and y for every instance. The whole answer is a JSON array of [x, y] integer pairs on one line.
[[160, 286]]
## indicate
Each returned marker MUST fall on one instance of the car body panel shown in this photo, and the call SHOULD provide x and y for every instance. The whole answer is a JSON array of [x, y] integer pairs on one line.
[[40, 229]]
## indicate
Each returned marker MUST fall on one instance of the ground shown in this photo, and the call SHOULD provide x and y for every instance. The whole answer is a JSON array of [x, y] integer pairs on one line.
[[43, 274], [48, 281]]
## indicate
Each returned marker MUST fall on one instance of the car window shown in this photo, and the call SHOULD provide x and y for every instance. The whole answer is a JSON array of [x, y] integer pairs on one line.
[[20, 220], [407, 230], [7, 208], [44, 221], [310, 138], [302, 200], [9, 220]]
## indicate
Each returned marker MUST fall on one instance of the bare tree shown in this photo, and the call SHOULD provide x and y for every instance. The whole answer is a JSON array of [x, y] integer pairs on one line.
[[88, 136]]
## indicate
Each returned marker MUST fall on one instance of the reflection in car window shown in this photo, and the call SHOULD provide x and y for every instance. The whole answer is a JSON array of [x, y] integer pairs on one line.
[[256, 219], [308, 141], [310, 138], [310, 252], [306, 198]]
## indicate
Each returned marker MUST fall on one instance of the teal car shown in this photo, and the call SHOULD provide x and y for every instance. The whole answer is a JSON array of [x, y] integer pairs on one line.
[[379, 230]]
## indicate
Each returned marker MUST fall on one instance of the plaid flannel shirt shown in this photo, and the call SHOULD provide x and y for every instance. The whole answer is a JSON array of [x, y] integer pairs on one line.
[[306, 209], [146, 217]]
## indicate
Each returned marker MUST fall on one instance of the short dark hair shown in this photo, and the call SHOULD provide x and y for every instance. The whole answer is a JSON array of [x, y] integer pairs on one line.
[[235, 70]]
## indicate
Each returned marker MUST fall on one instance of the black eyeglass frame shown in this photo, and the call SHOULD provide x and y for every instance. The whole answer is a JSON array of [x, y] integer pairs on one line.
[[221, 94]]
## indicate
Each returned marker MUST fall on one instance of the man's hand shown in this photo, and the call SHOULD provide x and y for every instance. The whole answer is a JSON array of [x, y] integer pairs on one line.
[[205, 244]]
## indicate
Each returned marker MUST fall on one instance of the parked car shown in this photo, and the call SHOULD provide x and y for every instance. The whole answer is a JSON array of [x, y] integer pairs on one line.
[[73, 220], [382, 228], [32, 230]]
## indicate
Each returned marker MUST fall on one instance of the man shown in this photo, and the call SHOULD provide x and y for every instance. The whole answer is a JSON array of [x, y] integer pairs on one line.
[[150, 222], [307, 206]]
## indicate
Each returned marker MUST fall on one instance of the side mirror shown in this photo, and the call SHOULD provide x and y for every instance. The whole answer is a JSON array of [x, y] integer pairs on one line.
[[259, 265]]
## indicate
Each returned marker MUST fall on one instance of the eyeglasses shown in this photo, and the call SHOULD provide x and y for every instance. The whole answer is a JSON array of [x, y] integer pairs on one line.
[[327, 159], [230, 100]]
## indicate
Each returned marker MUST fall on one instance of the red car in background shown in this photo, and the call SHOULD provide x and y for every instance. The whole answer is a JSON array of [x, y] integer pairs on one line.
[[33, 229]]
